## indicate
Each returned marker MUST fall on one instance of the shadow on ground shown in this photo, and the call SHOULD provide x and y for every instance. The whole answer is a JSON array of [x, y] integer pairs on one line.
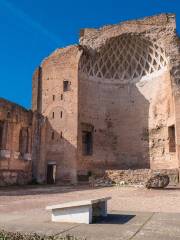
[[113, 219]]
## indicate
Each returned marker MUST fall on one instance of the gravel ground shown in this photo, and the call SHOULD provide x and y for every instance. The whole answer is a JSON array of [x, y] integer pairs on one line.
[[134, 213], [123, 198]]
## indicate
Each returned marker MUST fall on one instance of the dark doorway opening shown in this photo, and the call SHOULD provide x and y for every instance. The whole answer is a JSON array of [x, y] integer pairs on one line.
[[51, 173], [87, 142], [172, 138]]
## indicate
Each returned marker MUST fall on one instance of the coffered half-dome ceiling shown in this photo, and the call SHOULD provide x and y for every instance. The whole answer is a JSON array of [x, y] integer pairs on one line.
[[125, 57]]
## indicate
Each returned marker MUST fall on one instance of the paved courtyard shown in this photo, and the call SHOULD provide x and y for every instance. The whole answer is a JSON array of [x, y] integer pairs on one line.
[[134, 213]]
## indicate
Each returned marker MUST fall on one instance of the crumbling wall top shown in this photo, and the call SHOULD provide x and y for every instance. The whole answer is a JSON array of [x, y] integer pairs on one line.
[[155, 25], [60, 53], [8, 104]]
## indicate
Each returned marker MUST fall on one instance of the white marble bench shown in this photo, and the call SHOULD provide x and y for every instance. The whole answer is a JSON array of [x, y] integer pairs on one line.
[[79, 211]]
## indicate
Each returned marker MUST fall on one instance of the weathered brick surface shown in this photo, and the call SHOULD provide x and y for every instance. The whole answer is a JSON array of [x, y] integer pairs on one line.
[[130, 110], [123, 81], [14, 118], [130, 118], [15, 177], [16, 166], [61, 110]]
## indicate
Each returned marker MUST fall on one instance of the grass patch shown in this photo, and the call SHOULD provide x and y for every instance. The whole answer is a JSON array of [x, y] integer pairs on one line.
[[21, 236]]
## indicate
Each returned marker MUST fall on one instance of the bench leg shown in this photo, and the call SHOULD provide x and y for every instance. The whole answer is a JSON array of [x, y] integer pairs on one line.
[[100, 209], [90, 214], [103, 206]]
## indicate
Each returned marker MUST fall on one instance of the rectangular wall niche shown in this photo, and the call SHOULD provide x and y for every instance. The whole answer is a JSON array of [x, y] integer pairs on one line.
[[87, 139], [52, 135], [66, 86], [172, 138], [24, 140]]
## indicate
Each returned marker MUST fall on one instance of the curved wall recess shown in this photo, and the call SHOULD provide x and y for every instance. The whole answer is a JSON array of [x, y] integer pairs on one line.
[[125, 57]]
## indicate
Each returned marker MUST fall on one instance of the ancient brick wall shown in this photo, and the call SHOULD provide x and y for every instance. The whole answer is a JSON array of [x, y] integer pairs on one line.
[[110, 103], [15, 177], [39, 124], [15, 158], [125, 93], [36, 90], [59, 83]]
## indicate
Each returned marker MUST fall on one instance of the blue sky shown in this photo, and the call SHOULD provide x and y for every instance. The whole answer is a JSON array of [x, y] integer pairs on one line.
[[31, 29]]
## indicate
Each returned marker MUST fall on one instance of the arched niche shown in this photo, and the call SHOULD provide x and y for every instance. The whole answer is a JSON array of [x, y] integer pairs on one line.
[[125, 58]]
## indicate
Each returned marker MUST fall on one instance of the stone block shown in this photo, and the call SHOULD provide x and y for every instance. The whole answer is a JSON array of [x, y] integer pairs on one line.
[[80, 211]]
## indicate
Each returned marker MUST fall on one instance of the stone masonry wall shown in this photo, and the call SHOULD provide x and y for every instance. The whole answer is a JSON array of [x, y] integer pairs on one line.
[[123, 82], [15, 177], [13, 119], [130, 108], [60, 107]]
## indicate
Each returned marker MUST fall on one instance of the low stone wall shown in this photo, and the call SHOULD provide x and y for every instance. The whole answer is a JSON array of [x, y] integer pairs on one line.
[[139, 176], [8, 177]]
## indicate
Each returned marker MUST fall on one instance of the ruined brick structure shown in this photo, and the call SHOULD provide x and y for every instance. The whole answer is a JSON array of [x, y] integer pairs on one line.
[[111, 102], [20, 130]]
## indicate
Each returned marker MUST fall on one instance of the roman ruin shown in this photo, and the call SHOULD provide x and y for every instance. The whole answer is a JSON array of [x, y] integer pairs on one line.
[[112, 102]]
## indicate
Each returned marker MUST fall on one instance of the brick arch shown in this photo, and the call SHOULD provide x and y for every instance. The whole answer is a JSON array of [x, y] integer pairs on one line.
[[125, 57]]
